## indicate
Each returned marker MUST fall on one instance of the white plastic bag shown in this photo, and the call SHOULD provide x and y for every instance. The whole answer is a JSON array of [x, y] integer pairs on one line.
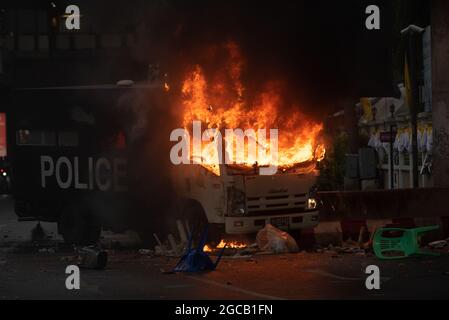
[[271, 238]]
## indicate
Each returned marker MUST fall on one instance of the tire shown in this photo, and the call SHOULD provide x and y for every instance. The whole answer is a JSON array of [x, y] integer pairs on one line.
[[197, 220], [77, 227]]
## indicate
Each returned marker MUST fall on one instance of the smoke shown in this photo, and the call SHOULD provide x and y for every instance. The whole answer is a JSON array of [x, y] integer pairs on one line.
[[299, 44]]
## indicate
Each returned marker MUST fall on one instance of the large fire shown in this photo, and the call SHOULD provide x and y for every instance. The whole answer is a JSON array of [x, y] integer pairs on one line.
[[221, 104]]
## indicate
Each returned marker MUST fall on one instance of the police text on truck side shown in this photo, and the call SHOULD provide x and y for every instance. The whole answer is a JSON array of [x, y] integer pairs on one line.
[[103, 174]]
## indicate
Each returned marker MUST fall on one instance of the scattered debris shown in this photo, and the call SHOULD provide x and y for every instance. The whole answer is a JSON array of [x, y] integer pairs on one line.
[[68, 259], [91, 257], [160, 249], [176, 248], [272, 239], [47, 250], [182, 231], [439, 244], [249, 251], [146, 252], [361, 234]]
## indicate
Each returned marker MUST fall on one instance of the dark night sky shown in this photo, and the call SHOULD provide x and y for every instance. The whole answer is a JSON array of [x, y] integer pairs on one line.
[[320, 48]]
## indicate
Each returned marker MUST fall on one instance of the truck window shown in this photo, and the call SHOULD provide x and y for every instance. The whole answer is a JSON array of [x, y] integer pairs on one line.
[[68, 139], [36, 138]]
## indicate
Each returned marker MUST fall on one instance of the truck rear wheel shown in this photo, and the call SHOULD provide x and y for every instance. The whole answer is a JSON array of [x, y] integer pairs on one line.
[[77, 227]]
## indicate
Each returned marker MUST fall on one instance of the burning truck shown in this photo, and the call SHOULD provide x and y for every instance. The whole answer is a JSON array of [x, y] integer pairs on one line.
[[93, 157], [232, 178]]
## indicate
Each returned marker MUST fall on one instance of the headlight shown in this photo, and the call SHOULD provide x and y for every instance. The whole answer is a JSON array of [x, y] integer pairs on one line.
[[311, 204], [237, 201]]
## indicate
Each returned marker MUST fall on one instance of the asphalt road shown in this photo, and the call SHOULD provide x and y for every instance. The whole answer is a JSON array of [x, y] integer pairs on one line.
[[27, 273]]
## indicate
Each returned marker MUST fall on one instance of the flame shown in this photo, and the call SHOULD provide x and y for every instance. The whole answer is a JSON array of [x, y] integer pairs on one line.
[[207, 248], [220, 104], [229, 244]]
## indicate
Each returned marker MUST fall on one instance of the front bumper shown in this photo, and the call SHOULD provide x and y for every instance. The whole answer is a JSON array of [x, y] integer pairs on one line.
[[242, 225]]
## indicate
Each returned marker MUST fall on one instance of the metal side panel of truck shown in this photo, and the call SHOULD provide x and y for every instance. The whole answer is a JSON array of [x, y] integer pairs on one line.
[[77, 158], [246, 203]]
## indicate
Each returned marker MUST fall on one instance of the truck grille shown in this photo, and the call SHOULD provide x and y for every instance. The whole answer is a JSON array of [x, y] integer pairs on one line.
[[276, 204]]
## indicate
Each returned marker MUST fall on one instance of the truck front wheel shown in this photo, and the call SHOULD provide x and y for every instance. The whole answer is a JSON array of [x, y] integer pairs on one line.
[[77, 227], [197, 220]]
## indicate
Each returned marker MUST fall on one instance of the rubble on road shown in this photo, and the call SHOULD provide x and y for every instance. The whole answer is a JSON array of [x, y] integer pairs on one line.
[[146, 252], [271, 238], [47, 250], [248, 251], [91, 257], [440, 244], [346, 247], [68, 259], [171, 247]]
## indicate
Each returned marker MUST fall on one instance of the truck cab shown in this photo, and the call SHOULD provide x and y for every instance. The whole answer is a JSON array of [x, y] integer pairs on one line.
[[240, 201]]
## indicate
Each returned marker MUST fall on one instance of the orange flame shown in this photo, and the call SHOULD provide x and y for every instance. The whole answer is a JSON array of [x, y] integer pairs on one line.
[[229, 244], [220, 104]]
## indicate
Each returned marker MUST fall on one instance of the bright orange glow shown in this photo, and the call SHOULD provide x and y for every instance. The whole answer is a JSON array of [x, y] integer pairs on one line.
[[221, 104], [229, 244], [207, 248]]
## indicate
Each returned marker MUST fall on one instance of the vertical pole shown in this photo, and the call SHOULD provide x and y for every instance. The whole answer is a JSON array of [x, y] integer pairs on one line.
[[412, 34], [391, 158], [412, 53]]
